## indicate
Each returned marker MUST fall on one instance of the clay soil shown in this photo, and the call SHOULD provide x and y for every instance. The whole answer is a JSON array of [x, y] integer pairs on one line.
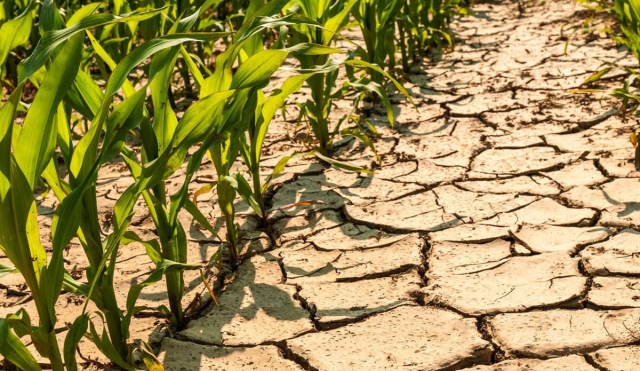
[[498, 233]]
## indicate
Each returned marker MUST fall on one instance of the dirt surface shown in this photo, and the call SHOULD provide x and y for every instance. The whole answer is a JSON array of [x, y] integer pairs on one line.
[[497, 234]]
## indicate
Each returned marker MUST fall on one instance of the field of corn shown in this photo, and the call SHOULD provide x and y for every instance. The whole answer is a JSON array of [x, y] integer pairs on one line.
[[319, 184]]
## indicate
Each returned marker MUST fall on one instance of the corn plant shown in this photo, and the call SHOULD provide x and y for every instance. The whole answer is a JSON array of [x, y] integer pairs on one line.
[[423, 25], [18, 215], [21, 169], [326, 20], [156, 136], [332, 18], [251, 150], [83, 161], [377, 23], [240, 118]]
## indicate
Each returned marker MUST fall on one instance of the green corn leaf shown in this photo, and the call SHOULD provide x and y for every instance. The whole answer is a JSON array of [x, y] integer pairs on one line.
[[342, 165], [239, 115], [222, 75], [269, 109], [84, 12], [71, 341], [363, 64], [85, 96], [164, 119], [127, 88], [312, 8], [197, 120], [50, 18], [152, 247], [257, 70], [330, 66], [52, 39], [248, 27], [53, 178], [244, 190], [125, 117], [192, 209], [8, 237], [12, 349], [255, 43], [596, 76], [6, 269], [226, 189], [17, 210], [362, 137], [279, 168], [69, 211], [20, 323], [36, 143], [193, 68], [334, 24], [180, 197], [106, 346], [312, 49], [15, 32]]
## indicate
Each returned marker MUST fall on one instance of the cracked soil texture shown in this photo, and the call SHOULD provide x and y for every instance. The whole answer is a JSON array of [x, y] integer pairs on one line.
[[497, 234]]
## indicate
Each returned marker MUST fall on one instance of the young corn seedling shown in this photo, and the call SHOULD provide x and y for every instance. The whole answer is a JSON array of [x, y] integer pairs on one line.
[[329, 19], [248, 115], [377, 23], [423, 25], [19, 236], [156, 136], [256, 65], [251, 150], [332, 17], [170, 254]]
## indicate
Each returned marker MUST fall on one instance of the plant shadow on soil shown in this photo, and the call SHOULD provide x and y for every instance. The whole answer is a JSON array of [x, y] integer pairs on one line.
[[245, 300], [629, 207], [264, 300]]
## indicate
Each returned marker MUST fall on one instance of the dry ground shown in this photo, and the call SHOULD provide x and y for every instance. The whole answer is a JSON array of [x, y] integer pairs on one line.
[[497, 234]]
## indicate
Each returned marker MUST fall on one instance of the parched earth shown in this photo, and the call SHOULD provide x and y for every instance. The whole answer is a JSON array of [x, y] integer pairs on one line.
[[498, 232]]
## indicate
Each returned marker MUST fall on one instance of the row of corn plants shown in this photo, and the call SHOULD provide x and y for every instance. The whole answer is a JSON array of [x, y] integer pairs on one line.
[[625, 32], [101, 71]]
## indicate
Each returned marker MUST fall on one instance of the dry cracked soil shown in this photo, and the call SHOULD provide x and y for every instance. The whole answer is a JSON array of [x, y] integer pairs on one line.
[[499, 232]]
